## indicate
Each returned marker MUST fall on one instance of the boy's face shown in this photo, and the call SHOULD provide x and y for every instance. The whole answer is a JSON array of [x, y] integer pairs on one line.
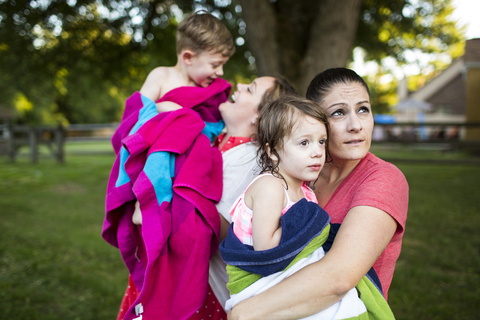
[[205, 67]]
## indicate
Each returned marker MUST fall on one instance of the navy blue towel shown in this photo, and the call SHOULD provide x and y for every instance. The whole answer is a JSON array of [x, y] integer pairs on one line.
[[300, 224]]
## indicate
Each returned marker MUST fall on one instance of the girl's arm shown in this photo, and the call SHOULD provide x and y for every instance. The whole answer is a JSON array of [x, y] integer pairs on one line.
[[266, 198], [362, 237]]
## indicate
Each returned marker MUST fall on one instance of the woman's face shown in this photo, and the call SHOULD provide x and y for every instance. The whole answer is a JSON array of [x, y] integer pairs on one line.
[[244, 107], [351, 121]]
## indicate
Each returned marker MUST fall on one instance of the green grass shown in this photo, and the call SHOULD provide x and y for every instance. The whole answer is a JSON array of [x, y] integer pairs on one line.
[[420, 152], [438, 272], [71, 148], [55, 265]]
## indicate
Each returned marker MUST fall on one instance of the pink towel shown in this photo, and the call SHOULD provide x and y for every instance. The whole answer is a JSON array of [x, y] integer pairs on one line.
[[168, 256]]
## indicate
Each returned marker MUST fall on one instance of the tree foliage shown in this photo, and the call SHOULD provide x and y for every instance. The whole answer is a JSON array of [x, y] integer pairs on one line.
[[77, 60], [312, 36], [72, 62], [390, 28]]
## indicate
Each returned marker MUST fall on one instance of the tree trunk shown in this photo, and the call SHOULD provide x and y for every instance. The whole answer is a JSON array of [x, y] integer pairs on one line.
[[331, 40], [260, 19], [300, 38]]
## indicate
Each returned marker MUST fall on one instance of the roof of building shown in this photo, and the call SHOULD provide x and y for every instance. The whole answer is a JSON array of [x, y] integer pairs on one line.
[[471, 58]]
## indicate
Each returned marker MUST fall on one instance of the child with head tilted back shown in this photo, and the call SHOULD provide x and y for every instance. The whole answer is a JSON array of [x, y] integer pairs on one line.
[[203, 45], [292, 138]]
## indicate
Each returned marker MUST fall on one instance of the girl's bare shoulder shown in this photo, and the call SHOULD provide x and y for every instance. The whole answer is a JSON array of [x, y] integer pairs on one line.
[[266, 186]]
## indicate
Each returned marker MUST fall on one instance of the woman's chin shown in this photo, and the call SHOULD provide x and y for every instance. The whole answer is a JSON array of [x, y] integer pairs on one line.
[[224, 105], [351, 153]]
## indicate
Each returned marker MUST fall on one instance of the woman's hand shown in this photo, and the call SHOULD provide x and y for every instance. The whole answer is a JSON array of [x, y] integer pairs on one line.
[[364, 234], [137, 214]]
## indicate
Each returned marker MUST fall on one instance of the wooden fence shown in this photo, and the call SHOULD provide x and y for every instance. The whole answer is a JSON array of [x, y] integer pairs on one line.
[[13, 137]]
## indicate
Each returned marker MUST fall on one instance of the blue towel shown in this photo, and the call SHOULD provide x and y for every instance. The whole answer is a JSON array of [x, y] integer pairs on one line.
[[303, 222]]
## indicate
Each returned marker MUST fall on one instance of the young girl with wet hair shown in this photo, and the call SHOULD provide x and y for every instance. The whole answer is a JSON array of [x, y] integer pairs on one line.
[[292, 139], [278, 228]]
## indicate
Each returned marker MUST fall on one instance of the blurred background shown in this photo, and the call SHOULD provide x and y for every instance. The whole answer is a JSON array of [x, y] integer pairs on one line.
[[67, 67]]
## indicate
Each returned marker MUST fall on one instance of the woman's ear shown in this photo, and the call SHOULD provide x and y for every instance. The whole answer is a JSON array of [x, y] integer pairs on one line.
[[254, 120], [187, 56]]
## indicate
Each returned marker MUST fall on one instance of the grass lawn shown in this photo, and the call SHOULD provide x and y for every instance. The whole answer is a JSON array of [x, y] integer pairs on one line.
[[55, 265], [438, 272]]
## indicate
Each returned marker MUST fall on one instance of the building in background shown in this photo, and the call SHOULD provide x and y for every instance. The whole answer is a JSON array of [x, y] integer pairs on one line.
[[451, 97]]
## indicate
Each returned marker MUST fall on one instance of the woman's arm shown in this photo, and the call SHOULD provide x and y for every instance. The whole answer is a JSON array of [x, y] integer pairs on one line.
[[364, 234]]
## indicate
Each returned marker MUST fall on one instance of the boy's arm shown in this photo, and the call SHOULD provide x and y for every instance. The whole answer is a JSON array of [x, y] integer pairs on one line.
[[266, 197], [165, 106], [152, 88]]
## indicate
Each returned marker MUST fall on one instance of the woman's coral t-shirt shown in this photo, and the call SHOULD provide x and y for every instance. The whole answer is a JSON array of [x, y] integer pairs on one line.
[[375, 183]]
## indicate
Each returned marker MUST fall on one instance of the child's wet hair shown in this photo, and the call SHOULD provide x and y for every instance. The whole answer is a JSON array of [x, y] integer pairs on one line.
[[275, 124], [202, 32]]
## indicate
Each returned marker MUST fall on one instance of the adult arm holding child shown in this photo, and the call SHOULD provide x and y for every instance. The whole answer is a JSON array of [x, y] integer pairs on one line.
[[361, 239]]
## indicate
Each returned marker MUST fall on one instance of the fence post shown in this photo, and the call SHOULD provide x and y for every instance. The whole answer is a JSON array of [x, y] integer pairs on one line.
[[59, 141], [10, 142], [32, 140]]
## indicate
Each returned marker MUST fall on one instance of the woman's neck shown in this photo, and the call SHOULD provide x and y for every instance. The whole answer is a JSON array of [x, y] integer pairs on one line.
[[235, 132], [224, 140], [337, 171], [331, 176]]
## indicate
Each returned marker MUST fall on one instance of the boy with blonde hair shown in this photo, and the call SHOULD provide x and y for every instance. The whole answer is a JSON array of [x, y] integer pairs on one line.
[[167, 168], [203, 45]]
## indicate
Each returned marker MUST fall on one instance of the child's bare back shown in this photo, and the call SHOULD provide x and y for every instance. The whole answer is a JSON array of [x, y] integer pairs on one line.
[[203, 45]]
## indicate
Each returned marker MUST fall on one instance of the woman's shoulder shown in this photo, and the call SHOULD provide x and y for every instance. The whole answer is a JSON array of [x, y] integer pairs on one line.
[[372, 164], [243, 154], [377, 183], [376, 180]]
